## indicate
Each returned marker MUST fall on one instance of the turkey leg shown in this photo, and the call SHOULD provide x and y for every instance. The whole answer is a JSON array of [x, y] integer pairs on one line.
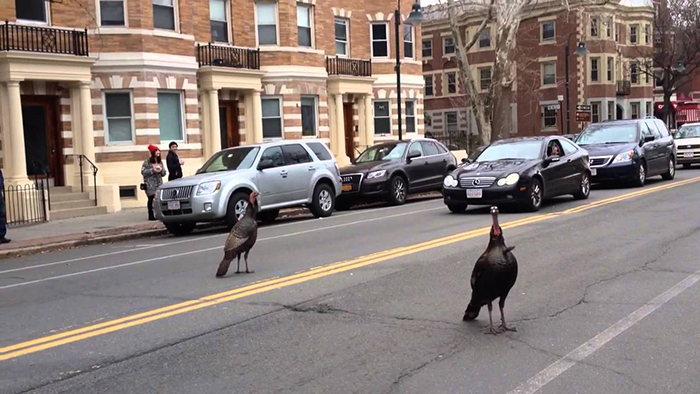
[[504, 327], [491, 330], [246, 263], [238, 265]]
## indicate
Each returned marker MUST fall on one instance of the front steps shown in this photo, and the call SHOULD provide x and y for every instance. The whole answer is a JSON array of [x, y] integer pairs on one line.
[[66, 204]]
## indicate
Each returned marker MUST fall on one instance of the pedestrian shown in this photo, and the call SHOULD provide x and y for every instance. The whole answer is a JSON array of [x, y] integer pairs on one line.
[[3, 211], [153, 172], [174, 162]]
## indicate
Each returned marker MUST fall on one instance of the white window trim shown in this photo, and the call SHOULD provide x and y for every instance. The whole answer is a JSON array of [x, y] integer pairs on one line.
[[176, 17], [639, 109], [431, 48], [478, 41], [371, 40], [432, 82], [98, 15], [414, 116], [229, 24], [281, 117], [478, 72], [277, 24], [610, 70], [183, 115], [374, 117], [599, 105], [610, 28], [639, 73], [447, 124], [47, 12], [311, 24], [599, 69], [446, 91], [316, 116], [611, 114], [444, 46], [542, 73], [545, 127], [597, 28], [413, 42], [552, 40], [106, 120], [347, 36], [629, 37]]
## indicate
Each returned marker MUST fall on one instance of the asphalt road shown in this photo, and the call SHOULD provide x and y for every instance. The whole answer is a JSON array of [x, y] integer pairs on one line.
[[370, 301]]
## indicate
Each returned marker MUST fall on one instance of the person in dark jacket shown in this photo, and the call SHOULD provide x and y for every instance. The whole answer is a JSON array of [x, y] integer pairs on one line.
[[3, 211], [174, 162]]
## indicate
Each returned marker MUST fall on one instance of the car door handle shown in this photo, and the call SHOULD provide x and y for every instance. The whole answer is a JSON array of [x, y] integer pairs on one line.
[[284, 174], [312, 168]]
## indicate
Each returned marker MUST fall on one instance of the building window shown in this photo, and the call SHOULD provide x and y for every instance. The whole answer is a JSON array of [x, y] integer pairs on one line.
[[634, 32], [647, 29], [647, 74], [32, 10], [410, 116], [658, 78], [267, 23], [611, 110], [609, 27], [549, 73], [635, 110], [380, 40], [548, 31], [648, 108], [308, 116], [549, 117], [595, 112], [485, 38], [408, 41], [427, 48], [272, 118], [219, 20], [304, 23], [594, 27], [341, 37], [451, 83], [617, 32], [634, 72], [485, 79], [118, 117], [382, 121], [448, 45], [429, 86], [595, 69], [451, 123], [164, 14], [112, 13], [170, 116], [611, 68]]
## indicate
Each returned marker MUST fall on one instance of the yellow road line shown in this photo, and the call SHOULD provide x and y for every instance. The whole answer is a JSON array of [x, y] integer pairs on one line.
[[51, 341]]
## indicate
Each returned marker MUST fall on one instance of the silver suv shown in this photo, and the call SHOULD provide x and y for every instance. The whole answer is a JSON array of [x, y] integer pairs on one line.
[[285, 174]]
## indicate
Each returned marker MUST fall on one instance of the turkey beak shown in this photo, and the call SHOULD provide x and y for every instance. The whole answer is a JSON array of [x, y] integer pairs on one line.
[[496, 227]]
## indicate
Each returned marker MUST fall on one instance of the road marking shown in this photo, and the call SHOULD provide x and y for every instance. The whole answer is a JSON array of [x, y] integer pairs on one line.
[[548, 374], [48, 342]]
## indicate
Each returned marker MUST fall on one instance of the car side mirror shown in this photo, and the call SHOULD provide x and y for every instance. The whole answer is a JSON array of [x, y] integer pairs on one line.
[[552, 159], [466, 160], [649, 138], [265, 164], [413, 154]]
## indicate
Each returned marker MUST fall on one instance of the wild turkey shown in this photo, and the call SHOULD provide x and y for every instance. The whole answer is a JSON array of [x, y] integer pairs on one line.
[[241, 239], [494, 275]]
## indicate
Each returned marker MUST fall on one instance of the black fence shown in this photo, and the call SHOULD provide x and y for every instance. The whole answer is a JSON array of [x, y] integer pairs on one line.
[[222, 56], [351, 67], [455, 140], [43, 39], [25, 204]]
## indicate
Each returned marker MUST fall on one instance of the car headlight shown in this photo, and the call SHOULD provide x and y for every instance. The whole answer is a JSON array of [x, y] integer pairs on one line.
[[450, 181], [208, 188], [376, 174], [510, 180], [624, 157]]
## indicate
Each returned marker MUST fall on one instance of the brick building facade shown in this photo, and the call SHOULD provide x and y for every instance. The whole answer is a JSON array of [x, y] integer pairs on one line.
[[105, 78], [617, 36]]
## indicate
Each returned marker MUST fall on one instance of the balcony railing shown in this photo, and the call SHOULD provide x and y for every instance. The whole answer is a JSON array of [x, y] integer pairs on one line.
[[43, 39], [352, 67], [624, 88], [223, 56]]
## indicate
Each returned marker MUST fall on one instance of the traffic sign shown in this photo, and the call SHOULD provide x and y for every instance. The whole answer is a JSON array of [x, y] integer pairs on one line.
[[583, 116], [560, 97], [584, 108]]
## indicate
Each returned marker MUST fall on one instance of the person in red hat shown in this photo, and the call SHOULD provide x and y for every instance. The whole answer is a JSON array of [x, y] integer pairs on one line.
[[153, 172]]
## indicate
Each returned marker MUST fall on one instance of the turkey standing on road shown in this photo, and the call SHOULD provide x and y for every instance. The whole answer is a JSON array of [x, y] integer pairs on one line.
[[241, 239], [494, 275]]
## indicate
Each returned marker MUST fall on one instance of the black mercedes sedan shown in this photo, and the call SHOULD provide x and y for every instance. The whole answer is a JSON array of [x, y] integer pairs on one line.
[[389, 171], [523, 171]]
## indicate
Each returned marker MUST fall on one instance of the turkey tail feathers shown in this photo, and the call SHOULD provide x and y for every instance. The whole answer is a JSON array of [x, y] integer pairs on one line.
[[225, 263]]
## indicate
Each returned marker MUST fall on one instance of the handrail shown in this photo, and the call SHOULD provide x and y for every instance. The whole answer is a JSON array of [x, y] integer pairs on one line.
[[15, 37], [348, 66], [224, 56], [94, 173]]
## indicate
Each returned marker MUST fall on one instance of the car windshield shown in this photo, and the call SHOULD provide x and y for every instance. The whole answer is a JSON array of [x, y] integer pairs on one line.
[[231, 160], [384, 152], [688, 132], [525, 150], [608, 134]]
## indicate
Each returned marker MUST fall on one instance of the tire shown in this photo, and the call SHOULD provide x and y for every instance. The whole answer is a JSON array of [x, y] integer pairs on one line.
[[457, 208], [180, 229], [584, 188], [236, 208], [268, 216], [535, 193], [398, 189], [671, 173], [686, 165], [640, 175], [324, 201]]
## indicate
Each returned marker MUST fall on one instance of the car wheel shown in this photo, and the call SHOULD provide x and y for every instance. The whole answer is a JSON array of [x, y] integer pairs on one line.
[[268, 216], [686, 165], [323, 202], [584, 189], [180, 229], [457, 208], [641, 176], [398, 191], [535, 194], [671, 173], [237, 205]]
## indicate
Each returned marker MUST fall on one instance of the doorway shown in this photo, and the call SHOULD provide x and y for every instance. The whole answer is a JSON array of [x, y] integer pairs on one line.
[[620, 112], [228, 118], [42, 137], [348, 114]]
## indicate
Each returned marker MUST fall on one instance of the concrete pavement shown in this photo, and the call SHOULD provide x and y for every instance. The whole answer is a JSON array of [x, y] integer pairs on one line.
[[390, 322]]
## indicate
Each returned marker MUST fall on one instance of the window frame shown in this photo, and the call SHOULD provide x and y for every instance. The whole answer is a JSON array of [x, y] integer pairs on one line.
[[447, 115], [594, 27], [447, 82], [176, 18], [647, 34], [596, 61], [635, 35], [610, 69], [312, 33], [183, 115], [257, 23], [432, 85], [611, 110], [130, 93], [408, 116], [634, 65], [481, 79], [554, 32], [316, 116], [545, 116], [124, 9], [388, 116], [372, 40], [544, 74], [444, 46], [227, 21], [638, 106], [487, 30], [596, 105], [346, 23], [649, 108], [280, 117], [45, 22], [409, 44], [428, 40], [609, 27]]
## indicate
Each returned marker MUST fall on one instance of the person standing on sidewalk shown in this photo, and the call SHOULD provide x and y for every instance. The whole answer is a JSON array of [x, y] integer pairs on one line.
[[153, 172], [3, 211], [174, 162]]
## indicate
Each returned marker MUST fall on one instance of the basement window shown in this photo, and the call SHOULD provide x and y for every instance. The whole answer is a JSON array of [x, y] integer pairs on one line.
[[127, 192]]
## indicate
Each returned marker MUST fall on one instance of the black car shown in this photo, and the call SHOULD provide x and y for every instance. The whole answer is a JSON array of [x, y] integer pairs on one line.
[[390, 171], [629, 150], [525, 171]]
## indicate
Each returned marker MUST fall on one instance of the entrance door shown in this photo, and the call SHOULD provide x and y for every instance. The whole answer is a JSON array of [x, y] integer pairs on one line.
[[620, 112], [42, 137], [228, 116], [348, 114]]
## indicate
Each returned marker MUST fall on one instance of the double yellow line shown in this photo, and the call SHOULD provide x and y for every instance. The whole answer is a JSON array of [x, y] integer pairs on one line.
[[51, 341]]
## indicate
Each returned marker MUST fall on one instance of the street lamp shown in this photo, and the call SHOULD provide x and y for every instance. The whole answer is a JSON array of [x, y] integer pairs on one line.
[[581, 51], [414, 19]]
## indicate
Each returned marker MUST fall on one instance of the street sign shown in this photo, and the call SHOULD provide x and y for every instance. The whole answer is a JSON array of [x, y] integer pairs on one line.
[[583, 116], [553, 107], [584, 108], [560, 97]]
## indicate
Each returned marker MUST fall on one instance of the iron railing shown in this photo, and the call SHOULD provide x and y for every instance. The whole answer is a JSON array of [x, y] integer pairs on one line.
[[94, 169], [346, 66], [624, 88], [43, 39], [25, 204], [223, 56]]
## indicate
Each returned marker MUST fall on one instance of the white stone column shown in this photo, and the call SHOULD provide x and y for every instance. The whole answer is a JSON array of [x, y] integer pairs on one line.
[[257, 118], [87, 134], [249, 120], [339, 132], [369, 122], [206, 140], [214, 121], [15, 170]]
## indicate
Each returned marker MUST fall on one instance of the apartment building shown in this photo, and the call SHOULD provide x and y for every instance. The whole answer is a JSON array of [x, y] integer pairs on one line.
[[102, 79], [609, 78]]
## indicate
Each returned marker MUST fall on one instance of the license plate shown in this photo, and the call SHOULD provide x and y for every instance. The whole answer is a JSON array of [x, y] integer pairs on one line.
[[474, 193], [173, 205], [688, 155], [347, 188], [594, 172]]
